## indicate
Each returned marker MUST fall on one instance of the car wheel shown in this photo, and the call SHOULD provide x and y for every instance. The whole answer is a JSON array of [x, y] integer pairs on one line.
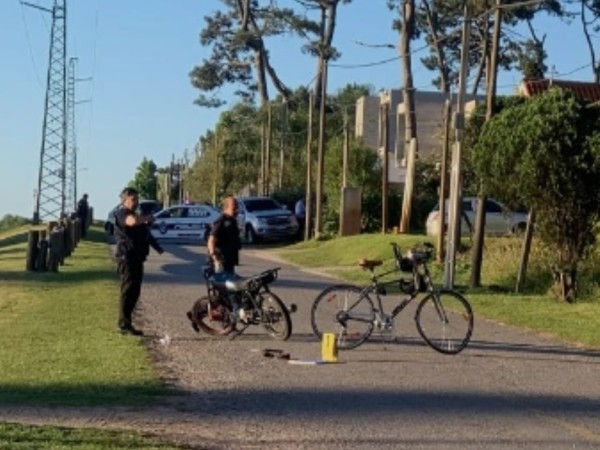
[[162, 227], [251, 237]]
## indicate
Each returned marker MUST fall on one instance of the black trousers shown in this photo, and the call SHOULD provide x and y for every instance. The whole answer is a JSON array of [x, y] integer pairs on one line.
[[82, 223], [131, 273]]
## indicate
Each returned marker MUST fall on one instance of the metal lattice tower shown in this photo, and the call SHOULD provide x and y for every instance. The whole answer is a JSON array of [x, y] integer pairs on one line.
[[71, 158], [50, 195]]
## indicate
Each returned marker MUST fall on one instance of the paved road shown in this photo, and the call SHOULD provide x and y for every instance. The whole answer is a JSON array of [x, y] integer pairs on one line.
[[509, 389]]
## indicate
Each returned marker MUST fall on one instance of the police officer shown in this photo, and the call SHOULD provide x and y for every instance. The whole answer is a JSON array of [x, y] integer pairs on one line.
[[224, 241], [83, 210], [133, 245]]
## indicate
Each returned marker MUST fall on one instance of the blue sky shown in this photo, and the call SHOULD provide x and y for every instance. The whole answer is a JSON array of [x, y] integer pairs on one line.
[[140, 53]]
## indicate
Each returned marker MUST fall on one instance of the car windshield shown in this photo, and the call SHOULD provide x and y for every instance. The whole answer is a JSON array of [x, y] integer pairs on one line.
[[263, 204]]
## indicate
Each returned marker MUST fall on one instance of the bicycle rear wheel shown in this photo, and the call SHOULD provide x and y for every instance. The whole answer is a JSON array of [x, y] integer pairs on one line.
[[345, 311], [445, 321]]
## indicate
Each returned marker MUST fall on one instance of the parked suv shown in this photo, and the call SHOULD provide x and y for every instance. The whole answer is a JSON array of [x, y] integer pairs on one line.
[[498, 219], [145, 208], [263, 218]]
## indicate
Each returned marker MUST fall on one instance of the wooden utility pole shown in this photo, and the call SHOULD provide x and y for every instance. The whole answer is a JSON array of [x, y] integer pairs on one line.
[[522, 274], [216, 168], [477, 257], [321, 151], [443, 181], [384, 115], [269, 139], [345, 150], [456, 175], [309, 138], [408, 186], [284, 108]]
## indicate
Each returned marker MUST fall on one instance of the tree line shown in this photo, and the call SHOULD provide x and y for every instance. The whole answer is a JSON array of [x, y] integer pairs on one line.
[[284, 141]]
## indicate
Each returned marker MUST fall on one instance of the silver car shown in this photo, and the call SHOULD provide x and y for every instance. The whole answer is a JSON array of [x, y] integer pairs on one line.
[[499, 220], [263, 218]]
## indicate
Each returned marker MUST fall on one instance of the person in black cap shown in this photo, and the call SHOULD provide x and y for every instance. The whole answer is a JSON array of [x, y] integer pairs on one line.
[[134, 239]]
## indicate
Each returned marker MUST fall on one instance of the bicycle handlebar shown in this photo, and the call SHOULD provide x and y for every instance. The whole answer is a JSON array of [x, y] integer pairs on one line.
[[417, 254]]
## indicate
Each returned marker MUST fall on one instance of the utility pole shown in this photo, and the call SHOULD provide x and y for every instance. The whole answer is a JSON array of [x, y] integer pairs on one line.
[[72, 149], [345, 150], [456, 175], [267, 188], [216, 167], [71, 160], [321, 151], [410, 121], [50, 199], [384, 133], [477, 256], [309, 138], [284, 111], [443, 181]]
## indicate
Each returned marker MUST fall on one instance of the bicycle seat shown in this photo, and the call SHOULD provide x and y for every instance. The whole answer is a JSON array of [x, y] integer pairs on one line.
[[369, 263]]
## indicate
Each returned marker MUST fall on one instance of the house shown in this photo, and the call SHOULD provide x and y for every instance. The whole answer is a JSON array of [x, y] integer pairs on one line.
[[582, 90], [430, 125]]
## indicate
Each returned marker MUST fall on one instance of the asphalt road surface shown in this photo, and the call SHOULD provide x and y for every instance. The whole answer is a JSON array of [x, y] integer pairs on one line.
[[510, 389]]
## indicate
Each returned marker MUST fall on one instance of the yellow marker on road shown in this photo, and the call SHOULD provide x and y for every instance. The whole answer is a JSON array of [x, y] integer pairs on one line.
[[329, 350]]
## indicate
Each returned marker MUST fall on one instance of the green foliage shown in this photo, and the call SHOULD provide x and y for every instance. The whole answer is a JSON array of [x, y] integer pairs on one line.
[[145, 179], [10, 221], [545, 154], [25, 437]]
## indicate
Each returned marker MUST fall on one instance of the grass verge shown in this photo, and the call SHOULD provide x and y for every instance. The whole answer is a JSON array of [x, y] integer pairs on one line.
[[537, 309], [59, 339], [25, 437]]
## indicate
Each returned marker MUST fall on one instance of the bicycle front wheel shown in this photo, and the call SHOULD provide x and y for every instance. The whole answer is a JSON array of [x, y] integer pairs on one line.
[[445, 321], [345, 311], [275, 317]]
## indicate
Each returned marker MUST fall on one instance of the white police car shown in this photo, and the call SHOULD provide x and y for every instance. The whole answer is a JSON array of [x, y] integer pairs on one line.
[[184, 221]]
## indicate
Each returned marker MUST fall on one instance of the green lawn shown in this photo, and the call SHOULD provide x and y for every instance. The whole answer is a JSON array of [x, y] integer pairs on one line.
[[59, 339], [536, 309], [24, 437]]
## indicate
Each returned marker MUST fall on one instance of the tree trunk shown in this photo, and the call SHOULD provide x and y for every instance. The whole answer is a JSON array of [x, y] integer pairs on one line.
[[477, 257], [328, 22], [410, 123], [432, 23], [527, 240]]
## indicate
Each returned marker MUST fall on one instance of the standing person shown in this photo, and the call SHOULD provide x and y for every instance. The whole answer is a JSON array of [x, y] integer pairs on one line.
[[300, 213], [133, 245], [83, 209], [224, 241]]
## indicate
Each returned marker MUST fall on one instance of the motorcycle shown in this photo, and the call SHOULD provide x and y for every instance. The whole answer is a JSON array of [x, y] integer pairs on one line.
[[234, 301]]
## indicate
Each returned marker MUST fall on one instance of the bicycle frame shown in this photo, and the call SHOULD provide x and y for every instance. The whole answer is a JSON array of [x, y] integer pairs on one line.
[[376, 287]]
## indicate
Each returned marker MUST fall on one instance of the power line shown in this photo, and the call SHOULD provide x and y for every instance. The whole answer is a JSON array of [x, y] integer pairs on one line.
[[35, 69]]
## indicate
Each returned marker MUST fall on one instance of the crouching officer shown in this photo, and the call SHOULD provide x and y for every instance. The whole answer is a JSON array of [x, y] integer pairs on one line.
[[133, 245]]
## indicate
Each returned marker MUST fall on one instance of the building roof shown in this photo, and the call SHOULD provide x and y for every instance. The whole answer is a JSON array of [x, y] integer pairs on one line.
[[582, 90]]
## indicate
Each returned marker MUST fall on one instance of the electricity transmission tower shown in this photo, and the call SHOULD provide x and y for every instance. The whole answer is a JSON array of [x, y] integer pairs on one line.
[[51, 190]]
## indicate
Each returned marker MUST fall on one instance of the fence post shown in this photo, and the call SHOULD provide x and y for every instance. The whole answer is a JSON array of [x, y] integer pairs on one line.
[[54, 255], [42, 260], [32, 250]]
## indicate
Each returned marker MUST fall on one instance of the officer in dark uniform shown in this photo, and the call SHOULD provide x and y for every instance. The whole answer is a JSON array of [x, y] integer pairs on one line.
[[83, 210], [224, 241], [133, 245]]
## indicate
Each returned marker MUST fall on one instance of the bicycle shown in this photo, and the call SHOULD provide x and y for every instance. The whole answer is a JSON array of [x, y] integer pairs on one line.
[[355, 316], [244, 301]]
